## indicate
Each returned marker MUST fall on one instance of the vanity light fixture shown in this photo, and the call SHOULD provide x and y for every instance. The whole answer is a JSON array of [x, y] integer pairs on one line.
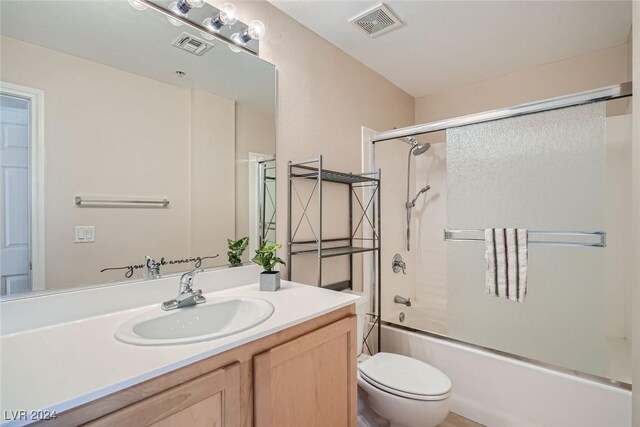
[[221, 23], [254, 31]]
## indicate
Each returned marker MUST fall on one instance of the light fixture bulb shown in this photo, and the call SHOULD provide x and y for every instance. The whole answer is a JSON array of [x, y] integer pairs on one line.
[[235, 38], [173, 7], [137, 5], [195, 3], [228, 14], [185, 6], [256, 29]]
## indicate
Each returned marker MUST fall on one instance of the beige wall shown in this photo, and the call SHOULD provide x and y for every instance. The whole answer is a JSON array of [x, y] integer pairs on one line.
[[324, 97], [99, 143], [580, 73]]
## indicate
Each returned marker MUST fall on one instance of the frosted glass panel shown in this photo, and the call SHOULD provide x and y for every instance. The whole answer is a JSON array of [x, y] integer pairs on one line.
[[540, 172]]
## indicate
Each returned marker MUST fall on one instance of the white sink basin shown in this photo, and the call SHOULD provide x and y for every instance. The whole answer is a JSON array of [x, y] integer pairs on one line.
[[216, 318]]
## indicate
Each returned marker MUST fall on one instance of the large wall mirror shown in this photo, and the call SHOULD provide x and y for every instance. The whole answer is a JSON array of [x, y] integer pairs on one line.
[[121, 140]]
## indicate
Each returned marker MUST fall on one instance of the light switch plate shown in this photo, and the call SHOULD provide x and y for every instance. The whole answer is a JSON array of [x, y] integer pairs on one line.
[[85, 234]]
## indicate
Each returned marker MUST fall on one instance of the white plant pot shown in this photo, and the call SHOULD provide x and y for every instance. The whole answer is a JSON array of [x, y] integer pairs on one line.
[[270, 281]]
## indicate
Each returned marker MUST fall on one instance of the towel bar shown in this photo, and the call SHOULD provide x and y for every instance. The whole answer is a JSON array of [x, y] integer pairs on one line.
[[120, 203], [471, 235]]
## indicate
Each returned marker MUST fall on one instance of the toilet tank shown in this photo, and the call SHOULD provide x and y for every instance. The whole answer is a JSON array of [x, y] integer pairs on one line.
[[362, 307]]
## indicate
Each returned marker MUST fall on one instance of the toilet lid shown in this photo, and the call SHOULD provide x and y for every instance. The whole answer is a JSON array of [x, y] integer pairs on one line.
[[404, 375]]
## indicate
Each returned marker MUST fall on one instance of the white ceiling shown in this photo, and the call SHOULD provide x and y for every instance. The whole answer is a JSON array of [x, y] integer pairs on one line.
[[446, 44]]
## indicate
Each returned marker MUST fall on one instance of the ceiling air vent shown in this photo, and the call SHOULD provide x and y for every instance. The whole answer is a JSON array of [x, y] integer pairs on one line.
[[192, 44], [376, 21]]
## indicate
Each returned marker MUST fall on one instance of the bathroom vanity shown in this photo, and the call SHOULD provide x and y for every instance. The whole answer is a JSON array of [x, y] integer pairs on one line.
[[298, 363], [284, 379]]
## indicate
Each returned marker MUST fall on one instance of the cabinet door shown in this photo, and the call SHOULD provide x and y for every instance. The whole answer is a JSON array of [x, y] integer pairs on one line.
[[210, 400], [309, 381]]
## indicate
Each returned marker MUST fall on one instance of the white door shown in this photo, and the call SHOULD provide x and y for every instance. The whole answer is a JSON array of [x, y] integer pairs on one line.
[[14, 195]]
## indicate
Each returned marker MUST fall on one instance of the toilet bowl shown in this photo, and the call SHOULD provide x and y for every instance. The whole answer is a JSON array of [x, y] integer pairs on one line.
[[404, 391]]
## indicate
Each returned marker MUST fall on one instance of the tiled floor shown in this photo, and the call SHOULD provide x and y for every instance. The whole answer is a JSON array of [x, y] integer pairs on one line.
[[454, 420]]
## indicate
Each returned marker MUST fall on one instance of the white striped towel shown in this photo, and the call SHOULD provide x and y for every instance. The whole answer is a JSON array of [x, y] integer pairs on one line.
[[506, 255]]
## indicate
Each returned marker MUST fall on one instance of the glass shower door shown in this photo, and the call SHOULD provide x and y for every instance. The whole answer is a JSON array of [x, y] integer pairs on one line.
[[543, 171]]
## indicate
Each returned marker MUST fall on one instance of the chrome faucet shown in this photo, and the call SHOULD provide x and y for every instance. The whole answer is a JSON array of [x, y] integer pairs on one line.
[[186, 295], [153, 268], [402, 300]]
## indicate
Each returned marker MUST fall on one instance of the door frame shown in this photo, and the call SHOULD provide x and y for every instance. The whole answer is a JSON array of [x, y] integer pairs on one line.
[[255, 204], [36, 178]]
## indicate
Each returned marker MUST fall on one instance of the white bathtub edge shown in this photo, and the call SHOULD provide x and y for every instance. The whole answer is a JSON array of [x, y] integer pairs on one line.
[[499, 391]]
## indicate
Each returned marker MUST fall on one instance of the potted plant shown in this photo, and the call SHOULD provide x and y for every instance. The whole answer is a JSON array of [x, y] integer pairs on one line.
[[236, 249], [267, 259]]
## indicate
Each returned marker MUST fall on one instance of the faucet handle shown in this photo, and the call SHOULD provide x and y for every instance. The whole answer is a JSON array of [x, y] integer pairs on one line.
[[398, 264], [187, 277]]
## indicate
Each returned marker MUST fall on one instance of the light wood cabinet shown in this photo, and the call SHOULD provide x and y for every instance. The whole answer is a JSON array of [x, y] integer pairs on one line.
[[301, 376], [210, 400], [308, 381]]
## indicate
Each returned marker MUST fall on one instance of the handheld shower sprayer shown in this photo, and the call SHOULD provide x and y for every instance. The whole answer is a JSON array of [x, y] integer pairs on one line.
[[423, 190]]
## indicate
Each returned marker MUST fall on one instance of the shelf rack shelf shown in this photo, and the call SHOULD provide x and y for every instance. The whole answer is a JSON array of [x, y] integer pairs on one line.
[[364, 231]]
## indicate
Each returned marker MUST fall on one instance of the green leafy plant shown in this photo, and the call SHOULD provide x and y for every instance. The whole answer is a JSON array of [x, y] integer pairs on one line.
[[266, 257], [236, 249]]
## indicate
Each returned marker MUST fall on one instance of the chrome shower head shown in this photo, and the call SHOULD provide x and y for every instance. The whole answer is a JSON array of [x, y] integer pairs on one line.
[[420, 149], [416, 147]]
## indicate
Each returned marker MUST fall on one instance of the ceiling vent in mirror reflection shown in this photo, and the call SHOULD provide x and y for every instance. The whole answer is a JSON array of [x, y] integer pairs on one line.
[[192, 44], [376, 20]]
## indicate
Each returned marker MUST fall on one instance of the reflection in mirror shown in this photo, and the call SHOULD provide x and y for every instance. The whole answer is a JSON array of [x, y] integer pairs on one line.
[[267, 200], [168, 150]]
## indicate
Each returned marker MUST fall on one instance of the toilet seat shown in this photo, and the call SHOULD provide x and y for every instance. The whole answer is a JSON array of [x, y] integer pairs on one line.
[[405, 377]]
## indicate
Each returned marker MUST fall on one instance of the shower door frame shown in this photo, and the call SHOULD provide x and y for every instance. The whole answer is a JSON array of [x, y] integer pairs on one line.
[[371, 137], [608, 93]]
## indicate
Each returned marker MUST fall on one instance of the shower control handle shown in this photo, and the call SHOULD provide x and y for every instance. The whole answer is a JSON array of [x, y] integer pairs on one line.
[[398, 264]]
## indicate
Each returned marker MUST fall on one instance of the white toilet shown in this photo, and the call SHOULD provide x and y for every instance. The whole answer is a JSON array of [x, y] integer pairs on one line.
[[403, 391]]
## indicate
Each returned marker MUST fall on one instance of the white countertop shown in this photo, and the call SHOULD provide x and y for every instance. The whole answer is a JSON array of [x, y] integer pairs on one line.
[[68, 364]]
